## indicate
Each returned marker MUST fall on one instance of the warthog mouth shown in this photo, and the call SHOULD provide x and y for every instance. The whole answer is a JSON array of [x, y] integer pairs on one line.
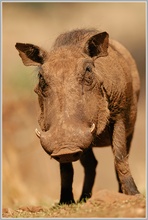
[[66, 155]]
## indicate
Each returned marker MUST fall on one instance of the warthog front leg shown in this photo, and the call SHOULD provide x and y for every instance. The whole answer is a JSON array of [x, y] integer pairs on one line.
[[121, 147], [66, 171], [89, 163]]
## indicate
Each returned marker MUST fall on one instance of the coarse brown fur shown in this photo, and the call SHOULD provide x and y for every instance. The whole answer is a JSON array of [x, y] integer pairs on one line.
[[88, 92]]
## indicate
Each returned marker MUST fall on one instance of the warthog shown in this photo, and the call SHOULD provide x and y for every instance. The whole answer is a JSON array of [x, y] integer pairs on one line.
[[88, 92]]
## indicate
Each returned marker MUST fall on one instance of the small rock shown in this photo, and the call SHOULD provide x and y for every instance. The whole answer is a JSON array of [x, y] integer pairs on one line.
[[31, 208], [35, 209], [8, 211], [24, 209]]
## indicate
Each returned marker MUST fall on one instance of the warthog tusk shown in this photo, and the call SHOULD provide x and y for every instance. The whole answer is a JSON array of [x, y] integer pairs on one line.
[[92, 128], [38, 134]]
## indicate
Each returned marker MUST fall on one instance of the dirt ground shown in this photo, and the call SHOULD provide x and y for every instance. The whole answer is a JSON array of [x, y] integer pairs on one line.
[[30, 179], [105, 204]]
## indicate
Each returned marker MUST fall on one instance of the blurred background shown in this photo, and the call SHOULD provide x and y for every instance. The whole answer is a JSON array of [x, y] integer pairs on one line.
[[29, 176]]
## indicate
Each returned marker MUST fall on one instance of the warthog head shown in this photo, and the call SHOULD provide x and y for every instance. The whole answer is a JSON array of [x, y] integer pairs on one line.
[[69, 93]]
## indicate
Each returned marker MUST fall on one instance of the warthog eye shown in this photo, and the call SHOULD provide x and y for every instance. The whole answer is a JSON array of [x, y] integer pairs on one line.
[[42, 82], [88, 76], [88, 69]]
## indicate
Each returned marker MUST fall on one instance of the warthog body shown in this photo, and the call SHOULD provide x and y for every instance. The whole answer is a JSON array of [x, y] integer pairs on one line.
[[88, 92]]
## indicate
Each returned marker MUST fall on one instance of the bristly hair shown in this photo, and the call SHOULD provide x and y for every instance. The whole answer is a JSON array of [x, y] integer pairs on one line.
[[73, 37]]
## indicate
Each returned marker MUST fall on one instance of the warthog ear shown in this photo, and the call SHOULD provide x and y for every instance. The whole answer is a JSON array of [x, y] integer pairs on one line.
[[97, 45], [31, 55]]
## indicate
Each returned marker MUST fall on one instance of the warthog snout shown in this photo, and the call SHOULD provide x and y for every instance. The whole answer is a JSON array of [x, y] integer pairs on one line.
[[66, 155], [66, 146]]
